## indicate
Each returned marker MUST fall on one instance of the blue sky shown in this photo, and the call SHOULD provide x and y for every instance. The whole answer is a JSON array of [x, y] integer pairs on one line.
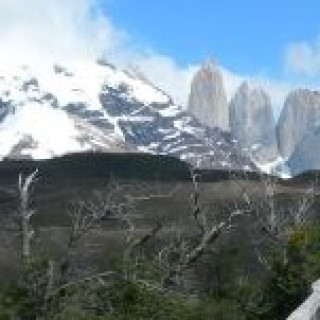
[[246, 36]]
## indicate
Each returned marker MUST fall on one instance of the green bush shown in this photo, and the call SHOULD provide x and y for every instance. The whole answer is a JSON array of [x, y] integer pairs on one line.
[[225, 291], [123, 300]]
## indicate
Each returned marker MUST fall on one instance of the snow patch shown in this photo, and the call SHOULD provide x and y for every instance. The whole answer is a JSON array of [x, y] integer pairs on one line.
[[277, 167], [52, 130], [171, 111]]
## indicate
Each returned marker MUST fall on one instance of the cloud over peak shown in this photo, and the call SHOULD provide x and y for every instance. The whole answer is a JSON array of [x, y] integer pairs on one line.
[[59, 28], [78, 29], [303, 58]]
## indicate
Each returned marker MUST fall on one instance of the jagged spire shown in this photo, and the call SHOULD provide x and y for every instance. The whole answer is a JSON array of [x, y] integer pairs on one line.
[[244, 86], [209, 63], [207, 99], [252, 122]]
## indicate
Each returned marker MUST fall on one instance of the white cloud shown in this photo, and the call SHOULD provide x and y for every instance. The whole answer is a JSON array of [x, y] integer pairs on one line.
[[59, 28], [165, 73], [77, 29], [303, 58]]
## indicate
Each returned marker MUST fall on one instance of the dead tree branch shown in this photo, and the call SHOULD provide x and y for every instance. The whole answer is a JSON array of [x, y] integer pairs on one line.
[[27, 233]]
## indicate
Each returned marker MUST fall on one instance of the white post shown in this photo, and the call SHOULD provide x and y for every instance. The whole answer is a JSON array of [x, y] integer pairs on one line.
[[310, 309]]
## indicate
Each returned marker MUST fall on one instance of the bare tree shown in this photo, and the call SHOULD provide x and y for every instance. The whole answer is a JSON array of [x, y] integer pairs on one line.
[[25, 212], [275, 212], [116, 202], [209, 231]]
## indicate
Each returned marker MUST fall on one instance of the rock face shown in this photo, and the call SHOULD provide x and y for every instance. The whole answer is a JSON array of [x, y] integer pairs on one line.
[[252, 123], [299, 116], [306, 155], [207, 100]]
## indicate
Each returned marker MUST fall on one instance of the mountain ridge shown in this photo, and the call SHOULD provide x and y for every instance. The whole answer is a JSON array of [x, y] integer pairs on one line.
[[43, 108], [275, 147], [59, 108]]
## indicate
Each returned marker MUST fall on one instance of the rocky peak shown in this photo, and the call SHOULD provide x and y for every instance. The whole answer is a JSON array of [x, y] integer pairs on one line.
[[299, 116], [209, 65], [207, 99], [306, 155], [252, 122], [252, 91]]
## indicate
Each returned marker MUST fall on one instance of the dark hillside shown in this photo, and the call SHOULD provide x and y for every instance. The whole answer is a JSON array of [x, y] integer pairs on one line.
[[99, 165], [79, 176]]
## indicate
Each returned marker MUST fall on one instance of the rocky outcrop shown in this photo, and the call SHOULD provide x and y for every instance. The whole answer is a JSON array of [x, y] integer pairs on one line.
[[252, 123], [207, 99], [306, 155], [300, 115]]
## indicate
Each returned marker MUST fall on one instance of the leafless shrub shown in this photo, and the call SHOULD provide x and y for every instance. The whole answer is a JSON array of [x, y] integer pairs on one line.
[[273, 216], [175, 258]]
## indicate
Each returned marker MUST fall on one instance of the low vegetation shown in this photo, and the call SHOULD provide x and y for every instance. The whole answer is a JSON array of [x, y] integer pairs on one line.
[[195, 275]]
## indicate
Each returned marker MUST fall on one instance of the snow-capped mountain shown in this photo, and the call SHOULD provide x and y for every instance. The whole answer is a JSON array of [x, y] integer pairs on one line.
[[49, 109]]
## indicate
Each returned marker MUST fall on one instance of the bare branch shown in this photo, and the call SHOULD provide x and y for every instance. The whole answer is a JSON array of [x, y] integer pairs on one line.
[[95, 277], [27, 233]]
